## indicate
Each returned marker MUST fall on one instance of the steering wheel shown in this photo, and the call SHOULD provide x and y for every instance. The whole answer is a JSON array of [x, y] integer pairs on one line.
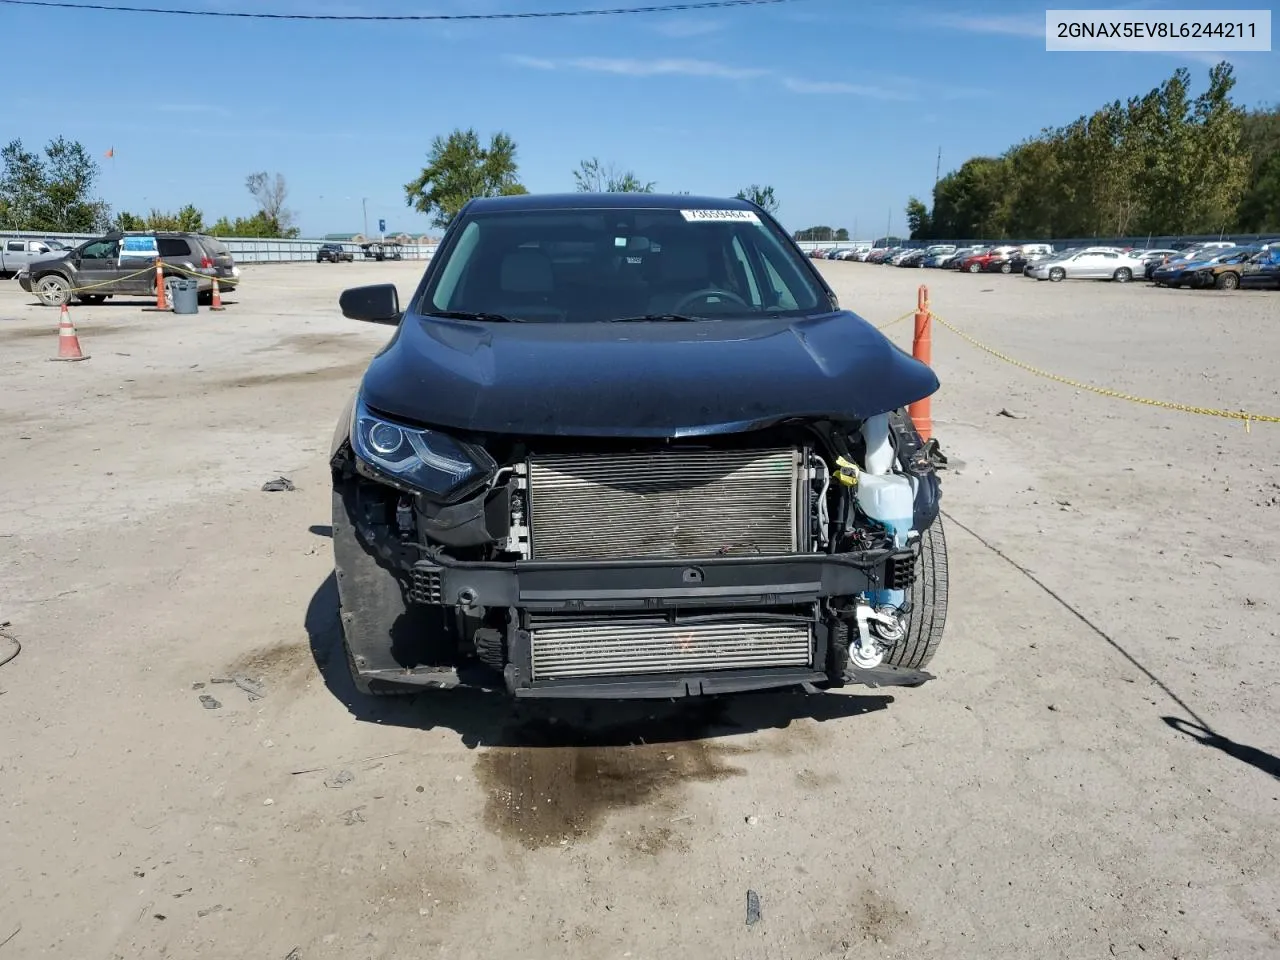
[[706, 295]]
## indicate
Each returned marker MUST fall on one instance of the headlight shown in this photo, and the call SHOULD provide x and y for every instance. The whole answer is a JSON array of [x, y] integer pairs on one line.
[[425, 460]]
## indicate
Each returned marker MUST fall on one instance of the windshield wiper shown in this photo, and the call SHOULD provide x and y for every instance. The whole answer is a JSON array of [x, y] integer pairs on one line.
[[472, 315], [659, 318]]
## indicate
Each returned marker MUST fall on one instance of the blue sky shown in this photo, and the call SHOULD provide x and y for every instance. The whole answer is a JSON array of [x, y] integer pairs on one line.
[[841, 105]]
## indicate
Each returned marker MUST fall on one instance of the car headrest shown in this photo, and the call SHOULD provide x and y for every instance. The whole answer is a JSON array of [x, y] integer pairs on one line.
[[526, 271]]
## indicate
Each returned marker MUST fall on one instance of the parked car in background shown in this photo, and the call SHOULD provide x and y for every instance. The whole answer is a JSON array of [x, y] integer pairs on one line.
[[954, 261], [103, 268], [984, 261], [1091, 263], [1035, 251], [913, 258], [1260, 269], [1204, 273], [334, 253], [16, 254], [1181, 269]]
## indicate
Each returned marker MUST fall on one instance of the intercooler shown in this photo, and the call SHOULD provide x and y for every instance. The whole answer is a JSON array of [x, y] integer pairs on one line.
[[629, 647], [668, 504]]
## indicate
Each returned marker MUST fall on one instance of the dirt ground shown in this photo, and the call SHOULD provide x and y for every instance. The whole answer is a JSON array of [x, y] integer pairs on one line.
[[1093, 773]]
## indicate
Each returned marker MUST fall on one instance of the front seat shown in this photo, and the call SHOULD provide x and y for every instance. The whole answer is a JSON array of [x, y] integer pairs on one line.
[[525, 284]]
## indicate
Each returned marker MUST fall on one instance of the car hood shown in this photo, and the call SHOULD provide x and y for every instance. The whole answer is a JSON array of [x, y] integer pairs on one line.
[[640, 379]]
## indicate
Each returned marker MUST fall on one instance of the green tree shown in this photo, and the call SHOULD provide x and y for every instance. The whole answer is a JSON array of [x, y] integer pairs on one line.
[[270, 193], [815, 234], [918, 219], [842, 234], [52, 193], [259, 226], [459, 169], [1260, 205], [762, 197], [594, 177]]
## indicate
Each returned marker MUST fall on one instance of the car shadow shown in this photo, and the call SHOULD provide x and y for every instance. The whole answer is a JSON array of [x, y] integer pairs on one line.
[[1266, 762], [498, 720]]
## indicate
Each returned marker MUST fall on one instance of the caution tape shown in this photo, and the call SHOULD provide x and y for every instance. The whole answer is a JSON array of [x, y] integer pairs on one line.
[[1244, 415]]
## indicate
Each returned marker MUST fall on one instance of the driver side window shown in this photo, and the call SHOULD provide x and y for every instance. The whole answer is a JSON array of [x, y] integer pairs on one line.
[[101, 250]]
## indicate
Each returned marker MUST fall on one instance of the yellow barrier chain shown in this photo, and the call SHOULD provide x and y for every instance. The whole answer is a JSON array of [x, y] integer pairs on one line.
[[1244, 415], [909, 313], [114, 280]]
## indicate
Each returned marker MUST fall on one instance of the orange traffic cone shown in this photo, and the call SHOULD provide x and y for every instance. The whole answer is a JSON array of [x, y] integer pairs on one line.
[[68, 341], [161, 302], [217, 297]]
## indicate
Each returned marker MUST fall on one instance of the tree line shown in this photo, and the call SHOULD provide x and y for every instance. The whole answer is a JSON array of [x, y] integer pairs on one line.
[[53, 192], [461, 167], [1162, 163]]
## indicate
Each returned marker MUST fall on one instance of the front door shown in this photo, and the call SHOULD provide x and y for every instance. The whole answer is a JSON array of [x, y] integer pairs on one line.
[[98, 268]]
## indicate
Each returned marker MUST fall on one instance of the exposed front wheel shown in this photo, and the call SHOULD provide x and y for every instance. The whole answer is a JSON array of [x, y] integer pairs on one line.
[[975, 268], [1006, 268], [53, 290], [1227, 281], [928, 599], [1057, 274], [1123, 275]]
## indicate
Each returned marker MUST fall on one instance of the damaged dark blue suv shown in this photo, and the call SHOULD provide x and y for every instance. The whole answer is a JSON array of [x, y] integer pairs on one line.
[[629, 445]]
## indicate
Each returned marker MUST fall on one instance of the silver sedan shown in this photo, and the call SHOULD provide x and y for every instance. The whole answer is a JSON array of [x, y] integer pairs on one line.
[[1088, 265]]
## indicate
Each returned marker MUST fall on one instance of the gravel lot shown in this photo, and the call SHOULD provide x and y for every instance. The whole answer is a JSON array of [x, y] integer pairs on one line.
[[1114, 584]]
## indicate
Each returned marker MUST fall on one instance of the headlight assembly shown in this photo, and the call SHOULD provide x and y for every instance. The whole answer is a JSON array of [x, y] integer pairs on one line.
[[425, 460]]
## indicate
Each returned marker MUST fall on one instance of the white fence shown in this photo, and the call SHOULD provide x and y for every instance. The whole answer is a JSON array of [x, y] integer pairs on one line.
[[246, 249]]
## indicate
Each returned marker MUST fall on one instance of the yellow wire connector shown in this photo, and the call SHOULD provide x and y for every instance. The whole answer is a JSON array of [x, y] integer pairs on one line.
[[847, 472]]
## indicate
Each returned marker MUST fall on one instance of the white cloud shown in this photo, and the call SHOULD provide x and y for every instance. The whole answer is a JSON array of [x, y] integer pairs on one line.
[[1003, 26], [682, 29], [535, 63], [634, 67], [796, 85], [667, 67]]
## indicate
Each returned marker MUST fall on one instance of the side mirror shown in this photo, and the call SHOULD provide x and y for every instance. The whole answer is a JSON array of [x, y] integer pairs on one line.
[[378, 303]]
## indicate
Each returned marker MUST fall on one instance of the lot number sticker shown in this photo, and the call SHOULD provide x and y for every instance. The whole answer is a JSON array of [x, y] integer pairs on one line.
[[720, 216], [139, 248]]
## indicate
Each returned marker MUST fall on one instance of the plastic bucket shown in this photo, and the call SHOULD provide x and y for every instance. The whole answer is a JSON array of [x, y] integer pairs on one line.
[[186, 295]]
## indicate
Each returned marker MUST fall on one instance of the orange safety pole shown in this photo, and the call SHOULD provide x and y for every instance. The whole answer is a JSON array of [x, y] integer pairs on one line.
[[161, 300], [922, 349]]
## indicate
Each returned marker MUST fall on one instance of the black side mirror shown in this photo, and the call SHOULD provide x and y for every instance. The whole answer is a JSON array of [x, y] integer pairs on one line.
[[377, 303]]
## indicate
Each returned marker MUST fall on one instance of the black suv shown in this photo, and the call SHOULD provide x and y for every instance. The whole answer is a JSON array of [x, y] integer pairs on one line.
[[629, 445], [99, 269], [334, 253]]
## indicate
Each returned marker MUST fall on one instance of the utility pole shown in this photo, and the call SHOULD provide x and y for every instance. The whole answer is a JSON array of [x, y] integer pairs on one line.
[[937, 173], [888, 227], [364, 202]]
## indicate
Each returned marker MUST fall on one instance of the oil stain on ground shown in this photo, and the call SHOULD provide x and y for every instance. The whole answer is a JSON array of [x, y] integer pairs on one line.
[[543, 794]]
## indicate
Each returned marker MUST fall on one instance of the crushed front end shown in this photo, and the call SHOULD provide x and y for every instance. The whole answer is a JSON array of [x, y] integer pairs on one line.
[[556, 567]]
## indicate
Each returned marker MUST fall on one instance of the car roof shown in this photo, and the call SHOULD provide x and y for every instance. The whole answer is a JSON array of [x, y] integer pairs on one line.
[[598, 201]]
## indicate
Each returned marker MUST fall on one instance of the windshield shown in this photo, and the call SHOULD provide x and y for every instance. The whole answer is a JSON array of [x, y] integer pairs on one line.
[[589, 265]]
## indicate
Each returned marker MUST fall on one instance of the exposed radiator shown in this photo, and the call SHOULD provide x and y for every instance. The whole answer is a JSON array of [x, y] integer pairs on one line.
[[618, 647], [667, 504]]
